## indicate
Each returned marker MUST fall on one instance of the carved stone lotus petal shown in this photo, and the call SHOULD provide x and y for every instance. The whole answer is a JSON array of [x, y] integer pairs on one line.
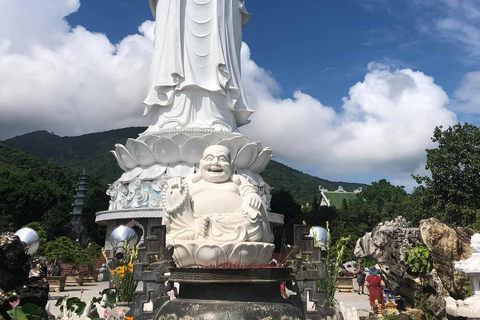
[[192, 150], [244, 254], [125, 156], [257, 179], [231, 146], [180, 139], [150, 140], [203, 252], [239, 142], [166, 151], [153, 172], [120, 163], [141, 152], [265, 254], [259, 146], [262, 160], [246, 156], [183, 256], [210, 253], [128, 176], [179, 170], [212, 139]]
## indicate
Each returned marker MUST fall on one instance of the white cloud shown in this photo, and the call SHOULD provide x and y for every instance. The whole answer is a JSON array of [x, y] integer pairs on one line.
[[72, 81], [467, 96], [385, 125], [27, 23]]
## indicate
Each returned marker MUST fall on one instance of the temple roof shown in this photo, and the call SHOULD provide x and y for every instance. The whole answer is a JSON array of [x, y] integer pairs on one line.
[[335, 198]]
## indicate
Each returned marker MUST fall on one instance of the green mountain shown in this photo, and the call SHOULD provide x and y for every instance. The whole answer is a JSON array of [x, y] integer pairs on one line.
[[30, 187], [91, 152]]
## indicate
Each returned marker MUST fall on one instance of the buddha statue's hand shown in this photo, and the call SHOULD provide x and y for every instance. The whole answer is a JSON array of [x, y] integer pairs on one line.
[[174, 195], [254, 201], [175, 183]]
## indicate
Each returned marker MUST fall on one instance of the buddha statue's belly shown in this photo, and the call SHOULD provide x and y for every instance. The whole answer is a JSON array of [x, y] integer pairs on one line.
[[216, 201]]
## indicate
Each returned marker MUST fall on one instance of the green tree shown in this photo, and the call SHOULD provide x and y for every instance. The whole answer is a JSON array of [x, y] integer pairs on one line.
[[92, 251], [66, 251], [452, 192], [380, 202], [56, 219], [283, 203], [95, 201]]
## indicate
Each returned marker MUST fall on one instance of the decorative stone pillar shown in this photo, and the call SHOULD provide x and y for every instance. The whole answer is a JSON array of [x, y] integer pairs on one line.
[[470, 307]]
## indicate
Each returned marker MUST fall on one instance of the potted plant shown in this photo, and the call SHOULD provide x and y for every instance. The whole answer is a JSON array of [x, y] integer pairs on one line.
[[55, 279], [122, 281], [65, 251]]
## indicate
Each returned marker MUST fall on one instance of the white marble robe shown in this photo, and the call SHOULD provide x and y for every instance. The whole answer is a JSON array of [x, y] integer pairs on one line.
[[195, 73]]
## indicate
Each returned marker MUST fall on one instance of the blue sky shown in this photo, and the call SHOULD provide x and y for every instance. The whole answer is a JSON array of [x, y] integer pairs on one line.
[[319, 47], [343, 89]]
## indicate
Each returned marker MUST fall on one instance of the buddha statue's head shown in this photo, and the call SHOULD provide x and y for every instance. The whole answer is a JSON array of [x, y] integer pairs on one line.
[[216, 165]]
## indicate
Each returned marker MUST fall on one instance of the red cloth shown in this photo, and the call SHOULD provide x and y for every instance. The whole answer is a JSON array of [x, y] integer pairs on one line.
[[374, 289]]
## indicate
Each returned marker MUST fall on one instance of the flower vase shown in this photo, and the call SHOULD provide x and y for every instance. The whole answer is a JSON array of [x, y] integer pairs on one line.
[[118, 312]]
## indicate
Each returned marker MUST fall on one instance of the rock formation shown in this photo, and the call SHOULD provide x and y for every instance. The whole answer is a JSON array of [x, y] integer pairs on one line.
[[14, 280], [387, 243], [447, 245]]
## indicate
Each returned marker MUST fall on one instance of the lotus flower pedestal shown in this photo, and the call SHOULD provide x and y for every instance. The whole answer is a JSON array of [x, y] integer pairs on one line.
[[152, 159]]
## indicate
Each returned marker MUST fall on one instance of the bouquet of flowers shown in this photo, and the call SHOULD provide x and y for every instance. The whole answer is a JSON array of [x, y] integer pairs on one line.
[[122, 274]]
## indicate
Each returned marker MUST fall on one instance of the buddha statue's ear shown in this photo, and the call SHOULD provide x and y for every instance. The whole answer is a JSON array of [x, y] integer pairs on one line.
[[196, 177]]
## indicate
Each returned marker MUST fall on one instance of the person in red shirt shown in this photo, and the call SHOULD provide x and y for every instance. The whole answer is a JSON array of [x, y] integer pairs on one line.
[[375, 286]]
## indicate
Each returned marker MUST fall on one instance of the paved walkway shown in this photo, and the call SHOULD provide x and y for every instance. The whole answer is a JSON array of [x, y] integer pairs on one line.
[[91, 290]]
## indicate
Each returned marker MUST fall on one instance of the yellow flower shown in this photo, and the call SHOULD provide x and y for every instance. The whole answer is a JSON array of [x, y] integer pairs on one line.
[[120, 271], [130, 267]]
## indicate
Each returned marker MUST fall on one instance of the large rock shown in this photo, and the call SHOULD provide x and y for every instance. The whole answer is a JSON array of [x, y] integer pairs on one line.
[[446, 245], [386, 245], [14, 276], [14, 266]]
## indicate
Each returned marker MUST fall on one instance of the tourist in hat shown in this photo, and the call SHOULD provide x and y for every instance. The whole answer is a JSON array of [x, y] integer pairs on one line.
[[375, 286]]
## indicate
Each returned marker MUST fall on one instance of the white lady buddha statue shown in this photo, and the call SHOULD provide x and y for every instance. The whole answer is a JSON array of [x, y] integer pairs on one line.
[[195, 73]]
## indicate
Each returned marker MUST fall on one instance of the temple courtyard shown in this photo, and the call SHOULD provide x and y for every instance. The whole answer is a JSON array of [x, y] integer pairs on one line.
[[91, 290]]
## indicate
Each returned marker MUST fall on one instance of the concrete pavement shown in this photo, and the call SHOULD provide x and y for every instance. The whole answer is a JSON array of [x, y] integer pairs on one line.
[[90, 291]]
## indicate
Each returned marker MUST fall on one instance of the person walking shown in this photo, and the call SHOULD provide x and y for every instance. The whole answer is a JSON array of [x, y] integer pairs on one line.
[[360, 274], [375, 287]]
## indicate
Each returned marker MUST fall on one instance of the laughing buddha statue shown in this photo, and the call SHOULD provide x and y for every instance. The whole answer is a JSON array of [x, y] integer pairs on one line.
[[215, 204]]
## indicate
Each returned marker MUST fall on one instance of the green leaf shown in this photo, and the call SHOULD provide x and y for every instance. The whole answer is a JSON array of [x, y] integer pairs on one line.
[[17, 314], [80, 308], [59, 302], [96, 299], [31, 309]]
